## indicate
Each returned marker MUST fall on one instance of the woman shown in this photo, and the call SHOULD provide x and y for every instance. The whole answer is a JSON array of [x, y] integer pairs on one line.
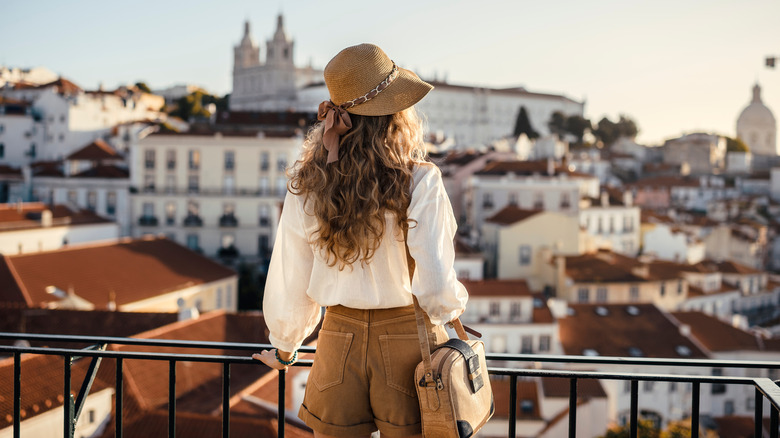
[[359, 188]]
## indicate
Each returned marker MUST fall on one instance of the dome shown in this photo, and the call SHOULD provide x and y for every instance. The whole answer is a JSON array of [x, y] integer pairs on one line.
[[757, 114]]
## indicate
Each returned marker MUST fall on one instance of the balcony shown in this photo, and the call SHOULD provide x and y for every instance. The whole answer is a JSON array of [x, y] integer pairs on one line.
[[192, 220], [228, 220], [147, 221], [765, 390], [201, 191]]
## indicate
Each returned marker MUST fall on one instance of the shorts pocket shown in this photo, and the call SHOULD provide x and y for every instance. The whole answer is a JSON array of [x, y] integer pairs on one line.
[[401, 354], [328, 368]]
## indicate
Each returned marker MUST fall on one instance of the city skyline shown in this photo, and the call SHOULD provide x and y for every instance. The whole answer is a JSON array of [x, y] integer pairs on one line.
[[673, 68]]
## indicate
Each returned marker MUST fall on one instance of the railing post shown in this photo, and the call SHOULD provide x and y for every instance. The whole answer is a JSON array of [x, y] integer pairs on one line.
[[633, 420], [172, 399], [226, 400], [67, 399], [118, 396], [17, 394], [282, 403], [695, 408], [512, 406], [572, 408], [758, 416], [773, 423]]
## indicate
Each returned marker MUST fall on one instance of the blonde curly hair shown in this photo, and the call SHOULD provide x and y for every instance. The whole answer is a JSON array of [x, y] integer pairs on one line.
[[373, 176]]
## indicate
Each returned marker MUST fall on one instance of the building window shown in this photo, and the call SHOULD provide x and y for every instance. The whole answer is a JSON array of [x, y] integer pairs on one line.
[[148, 209], [262, 186], [170, 213], [281, 162], [565, 201], [599, 225], [626, 386], [544, 343], [73, 197], [513, 199], [679, 287], [62, 138], [601, 295], [170, 159], [648, 385], [263, 247], [633, 293], [170, 183], [264, 161], [230, 161], [526, 344], [229, 184], [495, 308], [718, 388], [91, 200], [192, 242], [281, 186], [728, 407], [111, 203], [487, 200], [149, 159], [525, 255], [672, 386], [2, 151], [611, 225], [229, 296], [662, 290], [194, 160], [193, 183], [149, 182], [583, 295], [219, 298], [515, 311], [539, 201], [264, 215], [628, 224]]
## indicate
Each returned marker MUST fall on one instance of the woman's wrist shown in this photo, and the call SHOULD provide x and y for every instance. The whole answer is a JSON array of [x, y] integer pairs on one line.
[[286, 358]]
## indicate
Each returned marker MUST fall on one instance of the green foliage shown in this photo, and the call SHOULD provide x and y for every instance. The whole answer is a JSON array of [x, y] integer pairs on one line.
[[195, 105], [645, 429], [143, 87], [577, 126], [557, 124], [523, 125], [608, 131], [736, 145]]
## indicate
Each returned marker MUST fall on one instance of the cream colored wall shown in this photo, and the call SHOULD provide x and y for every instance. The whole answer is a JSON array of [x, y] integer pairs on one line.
[[206, 294], [553, 231], [620, 292]]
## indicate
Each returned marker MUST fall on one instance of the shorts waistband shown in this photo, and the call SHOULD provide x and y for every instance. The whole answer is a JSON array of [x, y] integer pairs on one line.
[[372, 315]]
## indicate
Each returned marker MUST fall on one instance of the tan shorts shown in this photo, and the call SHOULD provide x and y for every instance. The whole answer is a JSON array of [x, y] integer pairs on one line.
[[363, 373]]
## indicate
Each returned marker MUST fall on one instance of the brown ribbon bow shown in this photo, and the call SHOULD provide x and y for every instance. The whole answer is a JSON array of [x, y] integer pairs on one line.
[[337, 123]]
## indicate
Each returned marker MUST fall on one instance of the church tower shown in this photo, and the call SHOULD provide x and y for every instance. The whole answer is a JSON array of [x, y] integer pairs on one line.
[[756, 126], [246, 54], [279, 51]]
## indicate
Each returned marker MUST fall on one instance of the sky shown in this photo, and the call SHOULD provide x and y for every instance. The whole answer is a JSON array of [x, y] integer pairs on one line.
[[674, 66]]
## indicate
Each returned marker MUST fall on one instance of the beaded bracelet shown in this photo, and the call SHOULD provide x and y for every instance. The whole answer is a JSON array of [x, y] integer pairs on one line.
[[286, 362]]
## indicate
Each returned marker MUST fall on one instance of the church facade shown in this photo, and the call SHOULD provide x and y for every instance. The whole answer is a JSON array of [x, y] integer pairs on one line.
[[756, 126], [269, 82]]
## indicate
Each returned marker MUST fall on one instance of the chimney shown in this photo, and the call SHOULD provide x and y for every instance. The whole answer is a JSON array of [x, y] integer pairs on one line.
[[111, 301], [604, 199], [46, 218], [550, 167], [628, 198]]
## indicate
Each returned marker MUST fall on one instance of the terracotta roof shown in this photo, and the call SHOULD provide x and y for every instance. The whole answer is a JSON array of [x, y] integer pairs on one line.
[[527, 407], [95, 151], [623, 330], [665, 182], [461, 158], [133, 269], [738, 427], [512, 214], [6, 171], [104, 171], [47, 168], [602, 267], [559, 388], [717, 335], [75, 322], [539, 167], [28, 216], [731, 267], [541, 313], [42, 389], [63, 86], [497, 288]]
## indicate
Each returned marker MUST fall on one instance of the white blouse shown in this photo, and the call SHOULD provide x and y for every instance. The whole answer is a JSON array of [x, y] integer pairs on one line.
[[300, 281]]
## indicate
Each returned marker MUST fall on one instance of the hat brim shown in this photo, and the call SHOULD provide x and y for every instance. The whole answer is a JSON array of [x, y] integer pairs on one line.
[[405, 91]]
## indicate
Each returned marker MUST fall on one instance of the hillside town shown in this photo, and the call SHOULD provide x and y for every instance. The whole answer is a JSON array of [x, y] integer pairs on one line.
[[152, 214]]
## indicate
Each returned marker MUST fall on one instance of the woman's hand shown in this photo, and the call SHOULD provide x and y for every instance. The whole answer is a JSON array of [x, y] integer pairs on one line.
[[268, 357]]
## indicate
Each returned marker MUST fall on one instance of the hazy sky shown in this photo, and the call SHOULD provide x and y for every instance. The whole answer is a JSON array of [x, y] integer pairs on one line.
[[673, 65]]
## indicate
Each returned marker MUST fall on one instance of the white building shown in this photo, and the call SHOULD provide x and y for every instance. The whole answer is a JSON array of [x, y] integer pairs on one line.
[[613, 220], [530, 185], [703, 153], [756, 126], [270, 82], [668, 242], [216, 193], [35, 75]]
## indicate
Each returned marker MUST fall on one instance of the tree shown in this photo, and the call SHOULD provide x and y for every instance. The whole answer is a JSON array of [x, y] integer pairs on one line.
[[557, 124], [143, 87], [608, 131], [736, 145], [523, 125], [577, 125]]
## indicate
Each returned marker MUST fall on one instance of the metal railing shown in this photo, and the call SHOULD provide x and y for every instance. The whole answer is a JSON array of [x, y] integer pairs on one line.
[[764, 387]]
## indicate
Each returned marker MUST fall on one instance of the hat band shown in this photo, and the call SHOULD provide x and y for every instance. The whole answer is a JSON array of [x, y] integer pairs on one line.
[[336, 117], [375, 91]]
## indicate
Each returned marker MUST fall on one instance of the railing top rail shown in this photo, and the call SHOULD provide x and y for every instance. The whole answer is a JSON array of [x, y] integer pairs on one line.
[[594, 360]]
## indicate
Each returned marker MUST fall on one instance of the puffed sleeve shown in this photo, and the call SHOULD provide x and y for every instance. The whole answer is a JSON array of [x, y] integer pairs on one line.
[[430, 240], [290, 314]]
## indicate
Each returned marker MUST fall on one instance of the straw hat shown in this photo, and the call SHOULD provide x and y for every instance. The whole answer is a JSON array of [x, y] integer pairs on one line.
[[358, 70]]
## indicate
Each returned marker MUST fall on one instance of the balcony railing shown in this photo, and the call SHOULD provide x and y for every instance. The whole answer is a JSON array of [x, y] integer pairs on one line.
[[765, 389], [201, 191], [147, 221]]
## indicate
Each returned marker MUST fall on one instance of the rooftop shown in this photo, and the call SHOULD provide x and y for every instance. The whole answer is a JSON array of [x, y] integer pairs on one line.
[[512, 214], [27, 215], [497, 288], [95, 151]]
